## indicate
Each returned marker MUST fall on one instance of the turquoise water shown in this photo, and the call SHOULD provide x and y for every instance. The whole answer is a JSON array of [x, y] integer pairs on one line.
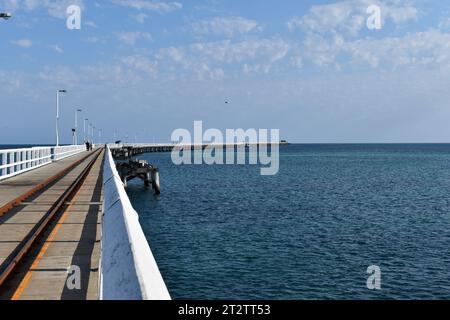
[[310, 232]]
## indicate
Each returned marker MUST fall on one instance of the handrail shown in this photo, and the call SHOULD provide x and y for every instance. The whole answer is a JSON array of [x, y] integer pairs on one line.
[[23, 149], [67, 151], [128, 270], [17, 161]]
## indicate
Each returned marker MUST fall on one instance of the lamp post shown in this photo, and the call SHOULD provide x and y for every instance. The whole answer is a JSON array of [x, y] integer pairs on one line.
[[5, 15], [75, 131], [84, 129], [90, 133], [57, 114]]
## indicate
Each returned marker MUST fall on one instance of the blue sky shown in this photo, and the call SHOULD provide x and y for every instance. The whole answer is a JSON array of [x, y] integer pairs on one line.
[[309, 68]]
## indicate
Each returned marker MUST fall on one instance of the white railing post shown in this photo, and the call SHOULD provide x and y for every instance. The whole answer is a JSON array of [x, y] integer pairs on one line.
[[17, 160], [35, 153], [26, 154], [11, 161], [4, 162], [21, 163]]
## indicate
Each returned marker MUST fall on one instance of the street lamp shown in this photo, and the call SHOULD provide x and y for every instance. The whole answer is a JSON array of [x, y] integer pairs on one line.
[[5, 15], [84, 129], [57, 114], [90, 133], [75, 130]]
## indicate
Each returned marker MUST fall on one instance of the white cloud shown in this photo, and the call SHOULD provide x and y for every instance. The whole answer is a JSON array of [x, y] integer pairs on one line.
[[130, 38], [429, 48], [12, 80], [343, 16], [58, 9], [225, 26], [401, 14], [332, 40], [322, 51], [24, 43], [297, 61], [349, 17], [332, 37], [161, 7], [226, 51], [57, 48], [249, 69], [141, 17], [175, 57], [55, 8], [176, 54], [445, 24], [91, 24], [9, 5], [204, 71], [140, 63], [208, 59]]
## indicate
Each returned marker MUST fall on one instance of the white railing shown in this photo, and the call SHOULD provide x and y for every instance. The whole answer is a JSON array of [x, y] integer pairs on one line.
[[17, 161], [67, 151], [139, 145], [115, 145], [128, 270]]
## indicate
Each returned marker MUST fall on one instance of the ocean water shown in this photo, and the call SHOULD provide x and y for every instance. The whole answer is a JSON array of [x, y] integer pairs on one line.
[[15, 146], [310, 232]]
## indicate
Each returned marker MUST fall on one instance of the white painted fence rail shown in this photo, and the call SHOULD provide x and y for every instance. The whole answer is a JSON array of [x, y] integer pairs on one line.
[[67, 151], [17, 161], [128, 270], [137, 145]]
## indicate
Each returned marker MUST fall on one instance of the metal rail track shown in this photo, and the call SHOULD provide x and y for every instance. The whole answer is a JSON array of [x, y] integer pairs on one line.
[[22, 249]]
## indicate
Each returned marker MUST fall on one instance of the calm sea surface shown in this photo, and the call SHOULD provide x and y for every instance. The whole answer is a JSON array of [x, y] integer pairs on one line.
[[15, 146], [310, 232]]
